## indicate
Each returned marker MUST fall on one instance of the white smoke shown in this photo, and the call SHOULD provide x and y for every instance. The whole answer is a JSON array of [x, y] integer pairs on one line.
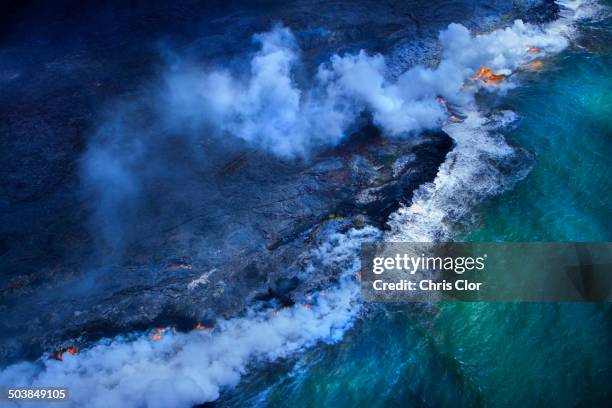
[[269, 110], [184, 369], [266, 108]]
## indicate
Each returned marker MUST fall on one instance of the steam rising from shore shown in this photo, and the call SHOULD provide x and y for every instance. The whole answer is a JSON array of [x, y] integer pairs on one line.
[[181, 370], [268, 109]]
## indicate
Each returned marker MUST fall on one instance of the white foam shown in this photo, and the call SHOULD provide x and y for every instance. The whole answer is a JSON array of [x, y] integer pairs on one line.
[[468, 174]]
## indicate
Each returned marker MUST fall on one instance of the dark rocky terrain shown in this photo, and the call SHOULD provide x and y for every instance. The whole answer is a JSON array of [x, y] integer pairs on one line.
[[238, 219]]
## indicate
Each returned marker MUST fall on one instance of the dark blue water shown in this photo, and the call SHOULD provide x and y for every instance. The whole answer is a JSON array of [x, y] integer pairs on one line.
[[493, 354]]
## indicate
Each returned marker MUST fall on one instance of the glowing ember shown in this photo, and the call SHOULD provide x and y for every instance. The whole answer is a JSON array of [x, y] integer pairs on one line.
[[536, 65], [533, 50], [488, 76], [455, 119], [200, 326], [155, 336], [73, 350]]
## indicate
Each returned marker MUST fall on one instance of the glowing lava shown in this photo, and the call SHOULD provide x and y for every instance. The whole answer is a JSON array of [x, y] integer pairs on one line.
[[488, 77], [536, 65], [72, 350], [157, 332]]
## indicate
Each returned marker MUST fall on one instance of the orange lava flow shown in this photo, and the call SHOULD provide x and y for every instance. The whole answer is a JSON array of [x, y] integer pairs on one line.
[[73, 350], [488, 76], [536, 65]]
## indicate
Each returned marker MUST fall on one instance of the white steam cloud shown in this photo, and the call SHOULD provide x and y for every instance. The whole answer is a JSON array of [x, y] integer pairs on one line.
[[269, 110], [181, 370]]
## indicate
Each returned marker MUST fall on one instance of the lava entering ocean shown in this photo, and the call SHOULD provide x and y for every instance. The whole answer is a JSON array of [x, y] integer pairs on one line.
[[488, 77]]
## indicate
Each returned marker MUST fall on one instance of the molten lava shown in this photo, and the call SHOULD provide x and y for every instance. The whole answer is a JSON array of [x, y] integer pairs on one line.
[[72, 350], [533, 50], [200, 326], [157, 332], [488, 76], [536, 65]]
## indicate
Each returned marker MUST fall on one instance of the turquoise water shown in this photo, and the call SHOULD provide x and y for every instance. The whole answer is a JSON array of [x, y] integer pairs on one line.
[[492, 354]]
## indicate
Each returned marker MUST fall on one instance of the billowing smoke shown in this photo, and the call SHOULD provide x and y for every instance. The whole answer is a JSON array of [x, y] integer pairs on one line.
[[181, 370], [269, 110], [265, 107]]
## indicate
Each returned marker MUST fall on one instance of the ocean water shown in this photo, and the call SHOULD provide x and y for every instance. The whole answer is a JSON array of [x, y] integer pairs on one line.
[[484, 354]]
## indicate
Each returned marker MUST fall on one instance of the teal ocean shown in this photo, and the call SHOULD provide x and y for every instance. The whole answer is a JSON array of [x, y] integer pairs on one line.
[[484, 354]]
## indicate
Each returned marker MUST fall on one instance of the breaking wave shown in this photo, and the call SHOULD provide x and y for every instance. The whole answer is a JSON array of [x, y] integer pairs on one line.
[[481, 164], [183, 369]]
